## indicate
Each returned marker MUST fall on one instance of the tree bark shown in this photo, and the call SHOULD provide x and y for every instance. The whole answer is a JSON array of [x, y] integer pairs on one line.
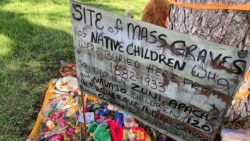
[[225, 27]]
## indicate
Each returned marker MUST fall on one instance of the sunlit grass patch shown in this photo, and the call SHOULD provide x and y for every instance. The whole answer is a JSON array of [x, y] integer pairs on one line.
[[5, 45]]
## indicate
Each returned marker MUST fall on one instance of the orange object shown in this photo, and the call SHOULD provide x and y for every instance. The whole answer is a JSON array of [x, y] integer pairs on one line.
[[35, 130], [68, 70], [156, 12], [52, 123], [245, 93], [92, 98], [138, 134], [242, 94], [247, 75], [245, 7]]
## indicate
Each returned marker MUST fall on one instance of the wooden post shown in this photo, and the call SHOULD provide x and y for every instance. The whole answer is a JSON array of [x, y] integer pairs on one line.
[[84, 104]]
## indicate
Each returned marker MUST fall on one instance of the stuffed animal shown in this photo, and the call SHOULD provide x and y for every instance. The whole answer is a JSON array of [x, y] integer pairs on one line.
[[156, 12]]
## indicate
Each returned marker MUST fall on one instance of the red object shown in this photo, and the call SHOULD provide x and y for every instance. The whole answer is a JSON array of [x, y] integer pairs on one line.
[[116, 131], [140, 134]]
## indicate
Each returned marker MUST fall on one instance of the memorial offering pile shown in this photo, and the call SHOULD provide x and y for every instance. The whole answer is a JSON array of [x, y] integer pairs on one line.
[[63, 118]]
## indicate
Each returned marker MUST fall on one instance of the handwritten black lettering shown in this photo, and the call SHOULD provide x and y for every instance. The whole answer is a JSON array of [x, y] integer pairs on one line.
[[81, 13], [206, 128], [135, 87], [121, 59], [78, 15], [179, 48], [147, 54], [182, 107], [202, 55], [108, 84], [92, 69], [117, 27], [239, 69], [146, 92], [87, 84], [136, 32]]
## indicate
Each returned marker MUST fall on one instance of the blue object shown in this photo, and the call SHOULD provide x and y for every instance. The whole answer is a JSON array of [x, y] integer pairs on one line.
[[119, 118], [102, 111]]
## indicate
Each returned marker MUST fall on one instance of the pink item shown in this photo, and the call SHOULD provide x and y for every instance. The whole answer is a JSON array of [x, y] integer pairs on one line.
[[56, 137], [70, 131], [62, 123], [55, 115]]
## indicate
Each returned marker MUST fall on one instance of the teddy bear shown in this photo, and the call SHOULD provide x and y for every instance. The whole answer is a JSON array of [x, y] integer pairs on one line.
[[156, 12]]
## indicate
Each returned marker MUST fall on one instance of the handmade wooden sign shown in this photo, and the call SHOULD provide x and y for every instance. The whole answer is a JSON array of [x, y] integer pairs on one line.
[[178, 84]]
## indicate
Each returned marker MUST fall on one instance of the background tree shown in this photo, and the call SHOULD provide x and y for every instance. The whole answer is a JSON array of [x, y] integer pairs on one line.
[[229, 27]]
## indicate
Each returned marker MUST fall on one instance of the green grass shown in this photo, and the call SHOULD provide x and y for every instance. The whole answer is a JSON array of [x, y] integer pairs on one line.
[[35, 40]]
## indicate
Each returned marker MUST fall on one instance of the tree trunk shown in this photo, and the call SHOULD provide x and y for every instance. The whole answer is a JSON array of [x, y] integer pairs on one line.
[[225, 27]]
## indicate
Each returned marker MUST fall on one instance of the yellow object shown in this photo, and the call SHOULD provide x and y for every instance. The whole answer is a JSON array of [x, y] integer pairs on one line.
[[245, 93], [125, 136], [92, 98], [247, 75], [50, 124], [35, 130], [242, 94], [245, 7], [148, 138]]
